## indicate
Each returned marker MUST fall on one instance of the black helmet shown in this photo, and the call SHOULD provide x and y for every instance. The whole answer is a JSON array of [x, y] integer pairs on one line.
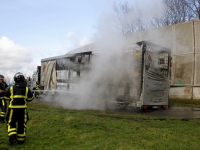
[[1, 76], [19, 77]]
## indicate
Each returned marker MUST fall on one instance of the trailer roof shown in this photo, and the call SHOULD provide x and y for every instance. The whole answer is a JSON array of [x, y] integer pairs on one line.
[[57, 57], [155, 46], [66, 56], [83, 49], [87, 49]]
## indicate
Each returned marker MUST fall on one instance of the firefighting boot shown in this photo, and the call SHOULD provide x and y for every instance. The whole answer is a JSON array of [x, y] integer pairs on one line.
[[20, 142], [12, 139]]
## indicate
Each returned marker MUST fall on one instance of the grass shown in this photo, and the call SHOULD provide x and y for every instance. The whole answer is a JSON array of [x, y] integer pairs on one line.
[[54, 128]]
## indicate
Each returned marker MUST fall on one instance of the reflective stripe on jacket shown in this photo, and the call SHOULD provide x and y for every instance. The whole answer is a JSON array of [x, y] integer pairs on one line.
[[37, 87], [18, 97]]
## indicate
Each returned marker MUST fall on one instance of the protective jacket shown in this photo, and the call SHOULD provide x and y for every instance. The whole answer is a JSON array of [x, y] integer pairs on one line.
[[18, 95], [37, 87]]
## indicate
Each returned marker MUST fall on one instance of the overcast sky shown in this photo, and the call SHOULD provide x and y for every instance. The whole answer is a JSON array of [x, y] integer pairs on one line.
[[35, 29]]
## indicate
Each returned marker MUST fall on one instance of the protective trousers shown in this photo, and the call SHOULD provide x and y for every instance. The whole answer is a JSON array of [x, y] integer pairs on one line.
[[3, 108], [37, 93], [17, 119]]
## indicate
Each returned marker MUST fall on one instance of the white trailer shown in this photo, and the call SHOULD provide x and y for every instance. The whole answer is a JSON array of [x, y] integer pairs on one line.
[[144, 83]]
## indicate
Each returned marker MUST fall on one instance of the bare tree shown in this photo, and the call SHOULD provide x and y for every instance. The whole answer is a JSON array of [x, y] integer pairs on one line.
[[121, 10], [177, 11], [194, 7], [129, 18], [181, 11]]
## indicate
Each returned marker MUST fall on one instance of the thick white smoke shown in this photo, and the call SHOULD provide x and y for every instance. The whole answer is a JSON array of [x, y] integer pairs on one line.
[[108, 69]]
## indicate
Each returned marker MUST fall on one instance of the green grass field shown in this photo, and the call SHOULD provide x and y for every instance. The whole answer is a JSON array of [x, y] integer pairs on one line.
[[53, 128]]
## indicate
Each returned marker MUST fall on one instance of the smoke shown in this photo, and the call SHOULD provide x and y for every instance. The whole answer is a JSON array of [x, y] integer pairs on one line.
[[73, 40], [138, 15], [93, 89], [110, 71]]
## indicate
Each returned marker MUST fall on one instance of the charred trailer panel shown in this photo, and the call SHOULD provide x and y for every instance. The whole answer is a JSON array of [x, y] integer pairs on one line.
[[62, 73], [145, 82], [48, 75], [155, 75]]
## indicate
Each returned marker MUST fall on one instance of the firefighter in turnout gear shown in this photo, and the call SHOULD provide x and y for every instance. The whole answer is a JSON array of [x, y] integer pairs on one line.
[[3, 104], [37, 93], [17, 116]]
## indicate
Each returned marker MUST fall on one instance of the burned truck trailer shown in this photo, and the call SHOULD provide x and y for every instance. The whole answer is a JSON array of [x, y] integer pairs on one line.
[[155, 75], [142, 83]]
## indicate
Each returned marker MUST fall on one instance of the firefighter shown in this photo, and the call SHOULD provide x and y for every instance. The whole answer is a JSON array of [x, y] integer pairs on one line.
[[37, 93], [17, 116], [3, 103]]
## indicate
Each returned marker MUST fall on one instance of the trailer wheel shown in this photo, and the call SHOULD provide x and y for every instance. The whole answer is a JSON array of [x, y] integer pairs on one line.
[[164, 107], [144, 107]]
